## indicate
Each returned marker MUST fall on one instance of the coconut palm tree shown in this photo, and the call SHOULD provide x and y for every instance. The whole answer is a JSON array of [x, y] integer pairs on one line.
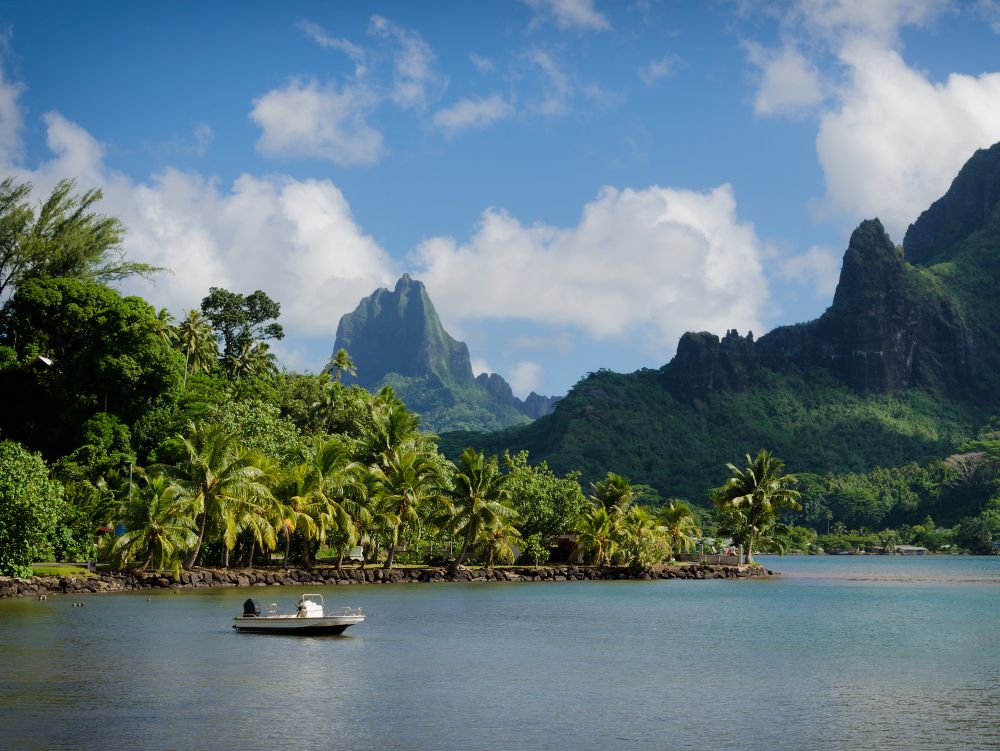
[[312, 496], [755, 493], [500, 537], [197, 341], [163, 328], [407, 480], [215, 475], [614, 491], [159, 526], [640, 539], [294, 506], [478, 497], [254, 359], [597, 534], [341, 363], [681, 527]]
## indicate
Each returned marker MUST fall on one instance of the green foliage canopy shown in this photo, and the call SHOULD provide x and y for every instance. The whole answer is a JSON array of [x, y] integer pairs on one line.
[[29, 509]]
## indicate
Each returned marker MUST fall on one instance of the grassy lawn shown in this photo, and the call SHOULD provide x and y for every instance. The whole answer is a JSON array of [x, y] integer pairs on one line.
[[60, 569]]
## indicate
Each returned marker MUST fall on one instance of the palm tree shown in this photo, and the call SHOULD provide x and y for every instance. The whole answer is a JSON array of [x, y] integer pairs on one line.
[[312, 495], [292, 512], [755, 493], [215, 475], [197, 341], [597, 534], [478, 497], [341, 363], [640, 539], [362, 502], [614, 491], [407, 480], [254, 359], [162, 327], [160, 526], [501, 536], [680, 525]]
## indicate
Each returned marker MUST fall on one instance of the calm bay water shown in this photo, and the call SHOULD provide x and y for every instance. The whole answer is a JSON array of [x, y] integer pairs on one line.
[[838, 653]]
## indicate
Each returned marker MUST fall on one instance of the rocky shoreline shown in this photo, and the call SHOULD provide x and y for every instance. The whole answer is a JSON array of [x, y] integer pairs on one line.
[[42, 586]]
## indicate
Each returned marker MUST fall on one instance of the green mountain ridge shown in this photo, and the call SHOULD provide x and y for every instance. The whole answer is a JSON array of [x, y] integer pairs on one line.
[[395, 338], [903, 366]]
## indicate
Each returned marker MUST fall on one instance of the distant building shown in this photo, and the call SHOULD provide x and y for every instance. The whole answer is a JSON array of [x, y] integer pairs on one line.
[[911, 550]]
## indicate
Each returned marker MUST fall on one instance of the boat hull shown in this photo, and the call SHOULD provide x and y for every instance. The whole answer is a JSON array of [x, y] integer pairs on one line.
[[296, 626]]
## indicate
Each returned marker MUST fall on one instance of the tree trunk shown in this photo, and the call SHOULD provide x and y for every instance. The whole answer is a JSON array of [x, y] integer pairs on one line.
[[253, 544], [750, 544], [288, 545], [193, 555], [465, 543], [392, 548], [306, 555], [225, 555], [340, 560]]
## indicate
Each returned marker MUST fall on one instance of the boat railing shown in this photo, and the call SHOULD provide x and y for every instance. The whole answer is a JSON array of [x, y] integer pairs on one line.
[[343, 611]]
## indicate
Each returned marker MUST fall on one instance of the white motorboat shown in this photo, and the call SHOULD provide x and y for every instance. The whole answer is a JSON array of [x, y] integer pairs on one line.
[[310, 618]]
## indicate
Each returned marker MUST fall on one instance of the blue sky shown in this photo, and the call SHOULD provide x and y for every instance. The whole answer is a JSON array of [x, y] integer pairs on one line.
[[578, 182]]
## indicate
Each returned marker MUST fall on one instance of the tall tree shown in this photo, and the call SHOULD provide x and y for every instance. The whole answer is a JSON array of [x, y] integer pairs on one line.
[[756, 492], [29, 508], [65, 238], [613, 492], [197, 342], [253, 360], [597, 534], [159, 526], [74, 349], [478, 497], [680, 524], [640, 539], [407, 480], [241, 320], [341, 363], [216, 475]]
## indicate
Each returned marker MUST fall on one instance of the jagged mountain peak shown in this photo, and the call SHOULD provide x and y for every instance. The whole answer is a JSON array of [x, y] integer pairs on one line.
[[971, 204], [396, 337]]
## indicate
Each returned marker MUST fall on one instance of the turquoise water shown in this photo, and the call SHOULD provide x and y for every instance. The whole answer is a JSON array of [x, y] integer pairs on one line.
[[838, 653]]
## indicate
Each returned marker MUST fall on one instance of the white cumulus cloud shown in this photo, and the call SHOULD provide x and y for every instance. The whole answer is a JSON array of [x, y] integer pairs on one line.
[[817, 267], [890, 140], [789, 82], [896, 140], [658, 261], [306, 119]]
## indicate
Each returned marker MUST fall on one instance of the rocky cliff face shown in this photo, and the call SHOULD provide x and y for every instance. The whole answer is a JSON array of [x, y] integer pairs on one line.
[[972, 204], [395, 337], [891, 327], [400, 332]]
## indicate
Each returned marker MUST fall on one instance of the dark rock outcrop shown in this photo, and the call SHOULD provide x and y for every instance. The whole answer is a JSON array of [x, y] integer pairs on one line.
[[704, 363], [891, 327], [971, 204]]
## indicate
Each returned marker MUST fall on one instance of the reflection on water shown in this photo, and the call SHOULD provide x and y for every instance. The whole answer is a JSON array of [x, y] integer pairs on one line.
[[805, 661]]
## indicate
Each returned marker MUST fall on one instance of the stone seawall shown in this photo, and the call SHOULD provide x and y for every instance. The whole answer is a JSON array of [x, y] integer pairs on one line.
[[42, 586]]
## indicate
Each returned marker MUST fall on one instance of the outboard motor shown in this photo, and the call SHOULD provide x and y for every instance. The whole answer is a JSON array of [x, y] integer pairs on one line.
[[250, 609]]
